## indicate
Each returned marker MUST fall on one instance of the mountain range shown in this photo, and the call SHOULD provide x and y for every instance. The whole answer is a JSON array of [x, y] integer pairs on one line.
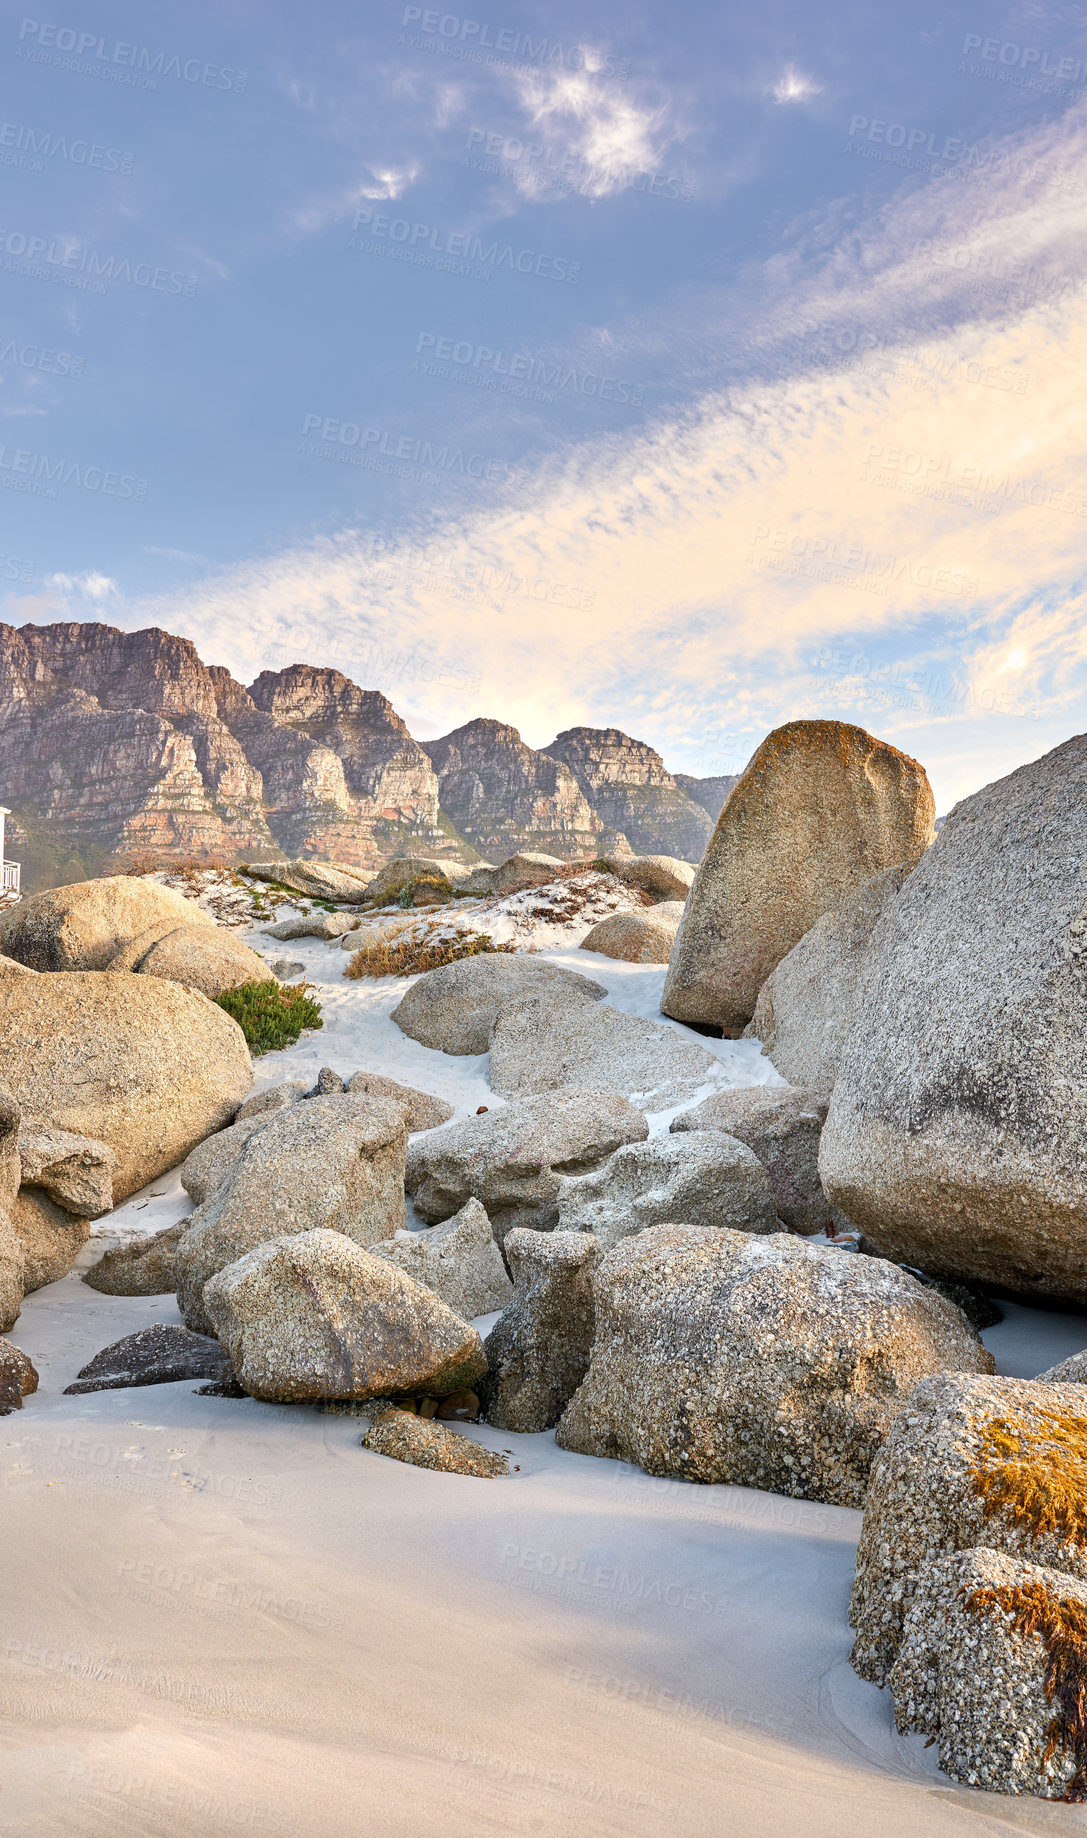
[[118, 746]]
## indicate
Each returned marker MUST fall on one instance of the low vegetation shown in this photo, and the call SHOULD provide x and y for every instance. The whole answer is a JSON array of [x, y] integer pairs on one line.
[[269, 1015], [409, 954]]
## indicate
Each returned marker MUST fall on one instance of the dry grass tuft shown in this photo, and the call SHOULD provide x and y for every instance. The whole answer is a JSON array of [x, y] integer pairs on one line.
[[410, 954]]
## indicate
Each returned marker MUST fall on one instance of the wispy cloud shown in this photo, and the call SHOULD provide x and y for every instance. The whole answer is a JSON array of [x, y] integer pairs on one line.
[[794, 86]]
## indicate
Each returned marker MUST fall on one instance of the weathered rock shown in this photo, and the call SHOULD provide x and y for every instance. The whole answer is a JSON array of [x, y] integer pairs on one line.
[[158, 1355], [821, 808], [273, 1098], [286, 969], [11, 1254], [704, 1178], [806, 1006], [147, 1267], [664, 876], [83, 927], [991, 1662], [313, 1315], [957, 1133], [335, 1163], [453, 1008], [538, 1353], [971, 1461], [524, 870], [783, 1127], [637, 938], [459, 1260], [75, 1171], [320, 880], [390, 881], [422, 1111], [134, 1062], [201, 957], [544, 1041], [8, 967], [210, 1162], [425, 1443], [313, 925], [50, 1238], [501, 795], [512, 1158], [329, 1084], [759, 1361], [18, 1379], [1071, 1371]]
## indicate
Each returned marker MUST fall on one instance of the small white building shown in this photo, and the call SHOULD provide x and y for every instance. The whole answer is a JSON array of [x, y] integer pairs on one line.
[[9, 871]]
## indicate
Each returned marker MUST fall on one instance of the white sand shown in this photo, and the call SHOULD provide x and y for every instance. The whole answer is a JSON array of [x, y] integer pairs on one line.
[[223, 1617]]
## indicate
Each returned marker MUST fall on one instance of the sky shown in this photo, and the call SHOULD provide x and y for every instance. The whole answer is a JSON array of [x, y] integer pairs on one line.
[[681, 369]]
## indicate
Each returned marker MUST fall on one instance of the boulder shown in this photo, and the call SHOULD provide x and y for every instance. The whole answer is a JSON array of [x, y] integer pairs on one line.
[[477, 879], [422, 1111], [538, 1353], [83, 927], [425, 1443], [513, 1158], [76, 1172], [821, 808], [704, 1178], [762, 1362], [805, 1007], [11, 1253], [286, 969], [138, 1063], [314, 1316], [8, 967], [782, 1126], [1071, 1371], [272, 1098], [145, 1267], [18, 1379], [313, 925], [972, 1461], [453, 1008], [524, 870], [459, 1260], [637, 938], [991, 1663], [390, 881], [320, 880], [662, 876], [335, 1163], [201, 957], [957, 1133], [546, 1040], [212, 1159], [50, 1238], [158, 1355]]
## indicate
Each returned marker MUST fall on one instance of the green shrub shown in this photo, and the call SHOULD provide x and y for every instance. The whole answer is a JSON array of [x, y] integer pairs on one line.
[[271, 1015]]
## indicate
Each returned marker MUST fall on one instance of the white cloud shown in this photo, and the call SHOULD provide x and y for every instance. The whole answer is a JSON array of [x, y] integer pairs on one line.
[[612, 135], [794, 86], [94, 586]]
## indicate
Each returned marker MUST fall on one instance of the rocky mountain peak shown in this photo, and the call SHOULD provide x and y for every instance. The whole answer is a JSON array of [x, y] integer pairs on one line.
[[606, 756]]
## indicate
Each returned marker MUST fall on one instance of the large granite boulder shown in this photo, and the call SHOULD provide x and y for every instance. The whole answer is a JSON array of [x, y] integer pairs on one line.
[[971, 1461], [402, 871], [314, 1316], [320, 880], [335, 1163], [453, 1008], [991, 1664], [957, 1134], [538, 1352], [75, 1171], [316, 924], [83, 927], [18, 1378], [637, 938], [512, 1159], [704, 1178], [662, 876], [158, 1355], [49, 1237], [806, 1006], [11, 1252], [422, 1110], [759, 1361], [782, 1126], [426, 1443], [201, 957], [140, 1064], [819, 810], [1071, 1371], [145, 1266], [524, 870], [546, 1041], [459, 1260]]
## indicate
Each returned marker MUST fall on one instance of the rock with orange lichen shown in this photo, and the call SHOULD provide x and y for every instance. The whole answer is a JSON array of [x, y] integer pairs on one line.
[[821, 808]]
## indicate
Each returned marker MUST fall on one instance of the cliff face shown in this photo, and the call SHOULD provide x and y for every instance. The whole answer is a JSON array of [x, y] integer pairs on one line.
[[117, 744], [710, 793]]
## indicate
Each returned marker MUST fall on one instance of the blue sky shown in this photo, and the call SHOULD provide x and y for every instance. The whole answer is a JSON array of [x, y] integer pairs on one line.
[[683, 369]]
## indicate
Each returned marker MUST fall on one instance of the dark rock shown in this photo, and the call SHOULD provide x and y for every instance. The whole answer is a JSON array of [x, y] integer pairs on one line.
[[157, 1355]]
